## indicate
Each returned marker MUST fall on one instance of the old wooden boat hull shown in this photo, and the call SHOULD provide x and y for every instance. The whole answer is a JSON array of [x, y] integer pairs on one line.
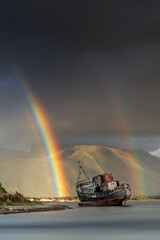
[[101, 190], [118, 197]]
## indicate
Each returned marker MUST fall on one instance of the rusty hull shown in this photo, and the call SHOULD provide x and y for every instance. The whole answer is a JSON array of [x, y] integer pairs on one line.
[[119, 201]]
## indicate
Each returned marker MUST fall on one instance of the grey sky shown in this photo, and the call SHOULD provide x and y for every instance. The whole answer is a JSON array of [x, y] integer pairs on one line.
[[93, 65]]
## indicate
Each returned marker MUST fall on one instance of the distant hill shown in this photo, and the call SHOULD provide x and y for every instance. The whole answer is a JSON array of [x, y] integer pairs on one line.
[[10, 154], [7, 154], [31, 177]]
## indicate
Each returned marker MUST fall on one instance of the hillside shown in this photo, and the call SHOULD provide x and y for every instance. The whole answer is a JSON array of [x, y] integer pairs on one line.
[[31, 176], [7, 154], [138, 168]]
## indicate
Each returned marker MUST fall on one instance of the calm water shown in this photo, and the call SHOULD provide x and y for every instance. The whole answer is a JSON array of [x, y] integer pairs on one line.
[[139, 220]]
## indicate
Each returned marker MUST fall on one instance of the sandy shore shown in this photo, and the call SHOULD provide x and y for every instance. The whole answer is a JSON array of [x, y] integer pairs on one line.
[[31, 208]]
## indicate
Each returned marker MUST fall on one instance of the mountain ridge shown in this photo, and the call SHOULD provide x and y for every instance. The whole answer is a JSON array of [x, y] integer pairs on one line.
[[32, 175]]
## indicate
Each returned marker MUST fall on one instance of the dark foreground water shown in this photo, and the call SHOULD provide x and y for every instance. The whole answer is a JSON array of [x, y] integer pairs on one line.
[[138, 220]]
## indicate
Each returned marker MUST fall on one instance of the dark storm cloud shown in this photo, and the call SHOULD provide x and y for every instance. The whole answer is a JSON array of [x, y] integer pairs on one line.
[[149, 143], [94, 65], [102, 25]]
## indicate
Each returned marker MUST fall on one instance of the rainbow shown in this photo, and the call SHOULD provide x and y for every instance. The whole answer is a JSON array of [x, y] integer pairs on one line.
[[57, 173], [136, 169]]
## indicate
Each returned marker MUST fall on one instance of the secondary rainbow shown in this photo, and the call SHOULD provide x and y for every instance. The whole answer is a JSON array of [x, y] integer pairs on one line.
[[58, 177], [136, 170]]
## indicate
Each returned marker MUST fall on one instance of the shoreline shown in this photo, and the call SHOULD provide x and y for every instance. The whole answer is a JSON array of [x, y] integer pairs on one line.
[[31, 208], [143, 200], [7, 209]]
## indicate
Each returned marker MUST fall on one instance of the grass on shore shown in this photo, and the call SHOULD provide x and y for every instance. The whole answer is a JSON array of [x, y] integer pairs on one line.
[[68, 198], [24, 203], [145, 197], [16, 199]]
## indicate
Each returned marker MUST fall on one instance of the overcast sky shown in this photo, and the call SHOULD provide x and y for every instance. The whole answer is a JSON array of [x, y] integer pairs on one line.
[[94, 66]]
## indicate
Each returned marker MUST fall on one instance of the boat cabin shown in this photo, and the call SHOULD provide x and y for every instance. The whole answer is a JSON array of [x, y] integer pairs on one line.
[[100, 183], [104, 182], [103, 178]]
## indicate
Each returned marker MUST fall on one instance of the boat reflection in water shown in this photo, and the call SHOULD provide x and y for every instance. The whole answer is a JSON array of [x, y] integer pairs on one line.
[[102, 190]]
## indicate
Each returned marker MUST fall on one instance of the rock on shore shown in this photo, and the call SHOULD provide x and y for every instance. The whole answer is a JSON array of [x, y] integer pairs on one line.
[[35, 208]]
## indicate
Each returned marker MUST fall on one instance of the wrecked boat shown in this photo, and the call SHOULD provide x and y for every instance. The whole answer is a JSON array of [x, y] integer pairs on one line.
[[101, 190]]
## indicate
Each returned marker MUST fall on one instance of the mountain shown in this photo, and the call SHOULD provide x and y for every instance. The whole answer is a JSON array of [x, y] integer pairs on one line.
[[32, 176], [10, 154], [7, 154], [138, 168]]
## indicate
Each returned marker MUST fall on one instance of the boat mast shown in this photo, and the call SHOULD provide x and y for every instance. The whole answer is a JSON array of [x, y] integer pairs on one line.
[[81, 171]]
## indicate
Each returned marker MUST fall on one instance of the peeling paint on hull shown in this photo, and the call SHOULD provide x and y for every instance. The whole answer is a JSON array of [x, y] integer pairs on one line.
[[111, 202]]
